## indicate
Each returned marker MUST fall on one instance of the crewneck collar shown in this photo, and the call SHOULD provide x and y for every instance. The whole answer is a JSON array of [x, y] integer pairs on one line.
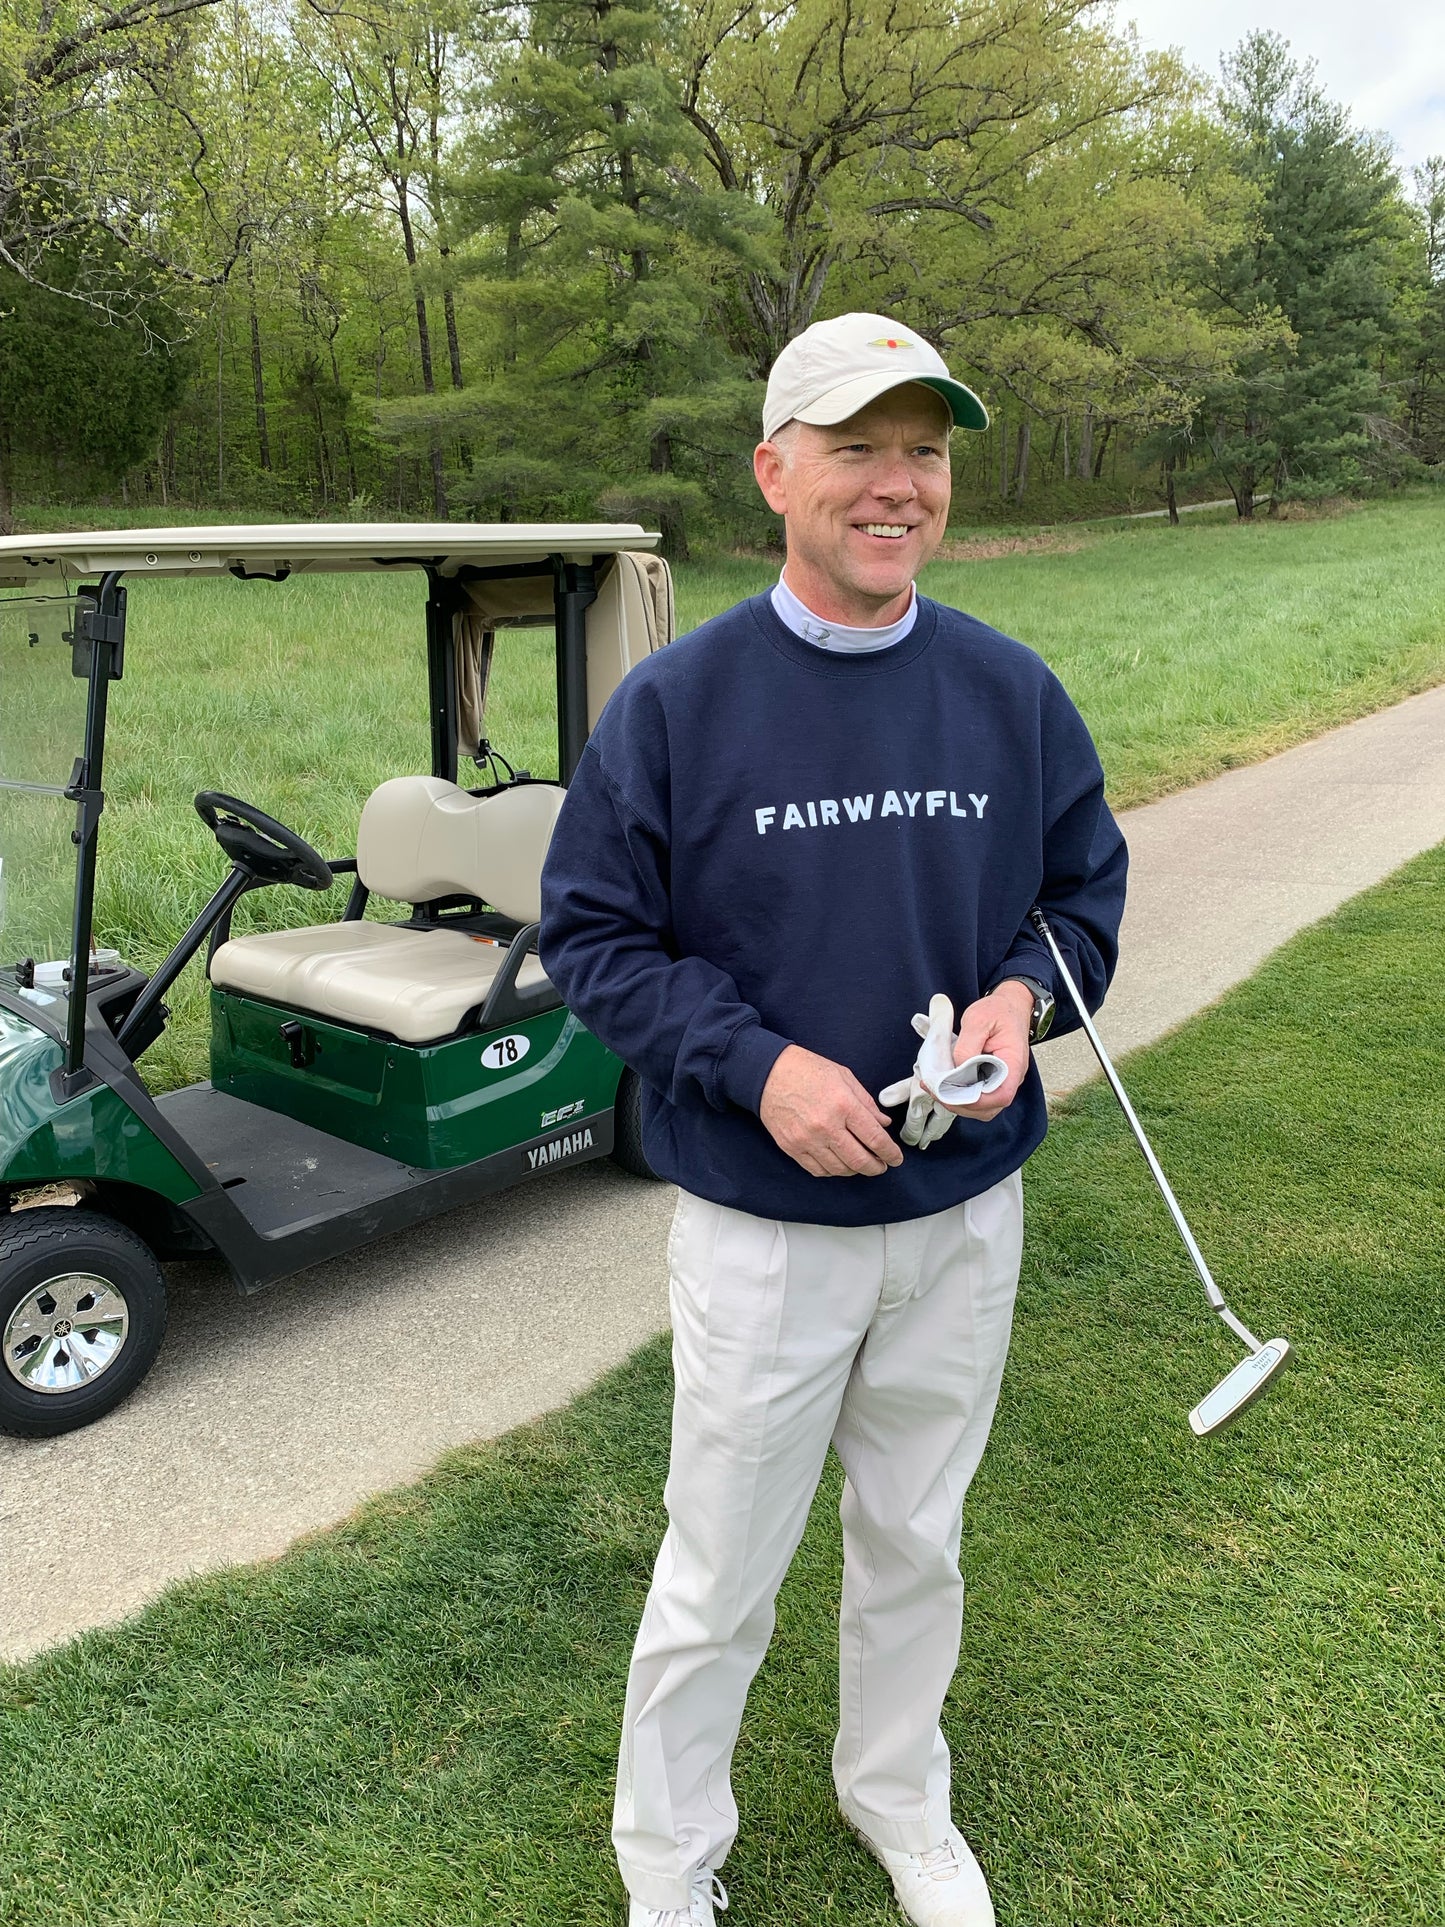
[[795, 614], [844, 664]]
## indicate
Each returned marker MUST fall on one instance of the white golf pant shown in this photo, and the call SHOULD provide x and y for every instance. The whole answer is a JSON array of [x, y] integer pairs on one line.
[[889, 1341]]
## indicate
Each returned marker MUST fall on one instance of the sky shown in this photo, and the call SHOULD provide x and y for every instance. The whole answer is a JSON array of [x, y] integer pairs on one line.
[[1385, 62]]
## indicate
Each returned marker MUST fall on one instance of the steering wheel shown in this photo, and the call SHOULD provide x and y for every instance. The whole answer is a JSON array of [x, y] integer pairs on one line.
[[259, 846]]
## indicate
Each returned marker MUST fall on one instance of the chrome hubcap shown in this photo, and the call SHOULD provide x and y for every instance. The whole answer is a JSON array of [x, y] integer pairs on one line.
[[66, 1332]]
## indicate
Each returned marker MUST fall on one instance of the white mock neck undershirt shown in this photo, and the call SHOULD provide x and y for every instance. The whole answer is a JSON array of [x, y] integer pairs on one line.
[[798, 617]]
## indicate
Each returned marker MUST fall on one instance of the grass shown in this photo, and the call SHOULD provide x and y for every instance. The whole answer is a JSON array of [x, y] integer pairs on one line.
[[1187, 650], [1200, 1684]]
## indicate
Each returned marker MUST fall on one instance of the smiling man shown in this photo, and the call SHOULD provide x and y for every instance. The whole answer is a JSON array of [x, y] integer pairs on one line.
[[787, 833]]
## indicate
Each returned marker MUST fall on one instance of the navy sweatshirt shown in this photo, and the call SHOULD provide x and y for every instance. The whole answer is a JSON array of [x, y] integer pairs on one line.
[[766, 843]]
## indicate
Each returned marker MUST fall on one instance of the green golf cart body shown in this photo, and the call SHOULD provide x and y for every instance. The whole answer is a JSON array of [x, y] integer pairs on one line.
[[366, 1073]]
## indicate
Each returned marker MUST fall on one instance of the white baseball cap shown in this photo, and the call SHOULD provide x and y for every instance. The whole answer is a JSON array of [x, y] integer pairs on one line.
[[834, 368]]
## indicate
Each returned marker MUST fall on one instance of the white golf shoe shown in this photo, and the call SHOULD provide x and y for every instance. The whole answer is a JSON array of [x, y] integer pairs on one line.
[[707, 1892], [944, 1887]]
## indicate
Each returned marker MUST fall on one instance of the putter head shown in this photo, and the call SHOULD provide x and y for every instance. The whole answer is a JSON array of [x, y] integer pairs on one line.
[[1250, 1378]]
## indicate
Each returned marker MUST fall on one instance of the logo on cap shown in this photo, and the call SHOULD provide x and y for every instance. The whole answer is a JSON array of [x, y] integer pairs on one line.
[[892, 341]]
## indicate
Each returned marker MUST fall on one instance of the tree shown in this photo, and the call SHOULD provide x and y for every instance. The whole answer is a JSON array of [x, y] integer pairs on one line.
[[394, 67], [601, 247], [1297, 413], [1424, 353], [80, 395], [99, 149], [1026, 186]]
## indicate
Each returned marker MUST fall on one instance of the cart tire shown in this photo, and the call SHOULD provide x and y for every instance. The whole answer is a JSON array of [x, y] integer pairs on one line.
[[104, 1268], [627, 1128]]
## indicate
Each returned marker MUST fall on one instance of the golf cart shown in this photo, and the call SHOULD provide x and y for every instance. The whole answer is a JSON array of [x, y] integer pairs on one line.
[[367, 1072]]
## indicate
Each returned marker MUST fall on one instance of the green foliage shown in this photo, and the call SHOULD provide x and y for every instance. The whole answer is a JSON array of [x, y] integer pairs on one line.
[[534, 261], [601, 252], [1304, 413], [1422, 353], [99, 181], [81, 396]]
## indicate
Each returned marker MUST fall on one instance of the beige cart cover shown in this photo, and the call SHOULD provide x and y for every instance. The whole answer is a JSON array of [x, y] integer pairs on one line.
[[632, 616]]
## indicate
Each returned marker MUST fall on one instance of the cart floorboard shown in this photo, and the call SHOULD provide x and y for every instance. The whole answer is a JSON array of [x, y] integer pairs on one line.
[[280, 1174]]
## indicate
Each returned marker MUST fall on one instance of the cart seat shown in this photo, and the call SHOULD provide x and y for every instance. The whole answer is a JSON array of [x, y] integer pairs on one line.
[[420, 839], [416, 985]]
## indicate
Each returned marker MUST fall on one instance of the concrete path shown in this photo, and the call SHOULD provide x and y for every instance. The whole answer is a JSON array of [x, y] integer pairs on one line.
[[1222, 874], [1144, 515], [269, 1417]]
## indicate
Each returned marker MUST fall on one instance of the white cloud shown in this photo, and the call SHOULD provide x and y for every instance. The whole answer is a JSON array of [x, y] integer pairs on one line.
[[1387, 66]]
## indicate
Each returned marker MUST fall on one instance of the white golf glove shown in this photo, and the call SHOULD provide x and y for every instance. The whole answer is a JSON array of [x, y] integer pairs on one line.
[[937, 1082]]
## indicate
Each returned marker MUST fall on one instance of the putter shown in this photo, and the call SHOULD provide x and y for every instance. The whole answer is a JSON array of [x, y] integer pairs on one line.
[[1251, 1376]]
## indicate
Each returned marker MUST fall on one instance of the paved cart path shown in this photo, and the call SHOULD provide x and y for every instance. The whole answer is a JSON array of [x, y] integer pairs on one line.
[[269, 1417]]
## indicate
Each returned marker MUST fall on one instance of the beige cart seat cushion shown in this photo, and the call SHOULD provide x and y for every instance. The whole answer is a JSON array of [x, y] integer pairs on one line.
[[420, 838], [416, 985]]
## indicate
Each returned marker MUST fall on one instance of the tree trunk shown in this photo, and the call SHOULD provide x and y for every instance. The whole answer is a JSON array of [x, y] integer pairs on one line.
[[1021, 459], [220, 407], [674, 529], [423, 338], [323, 453], [7, 496], [1244, 495], [1054, 449], [449, 309], [454, 356], [1101, 451], [258, 384], [1002, 458], [1276, 487], [1086, 444], [1169, 502], [513, 273]]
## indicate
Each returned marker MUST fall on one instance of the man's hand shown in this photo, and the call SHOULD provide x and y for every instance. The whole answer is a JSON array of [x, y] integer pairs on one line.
[[998, 1023], [820, 1114]]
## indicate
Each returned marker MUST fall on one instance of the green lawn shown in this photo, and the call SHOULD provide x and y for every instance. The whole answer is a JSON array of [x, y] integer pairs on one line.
[[1187, 650], [1200, 1684]]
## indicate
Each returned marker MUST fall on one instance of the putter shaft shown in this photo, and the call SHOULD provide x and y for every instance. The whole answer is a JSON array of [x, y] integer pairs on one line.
[[1212, 1291]]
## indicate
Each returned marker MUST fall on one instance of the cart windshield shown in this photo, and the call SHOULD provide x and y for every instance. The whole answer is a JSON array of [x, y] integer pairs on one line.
[[42, 732]]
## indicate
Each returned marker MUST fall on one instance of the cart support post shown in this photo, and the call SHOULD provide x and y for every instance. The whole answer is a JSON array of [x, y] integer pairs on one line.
[[100, 634], [575, 591], [441, 663]]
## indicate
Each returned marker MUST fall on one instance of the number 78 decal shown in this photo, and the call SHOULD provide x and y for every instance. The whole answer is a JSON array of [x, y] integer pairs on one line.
[[503, 1052]]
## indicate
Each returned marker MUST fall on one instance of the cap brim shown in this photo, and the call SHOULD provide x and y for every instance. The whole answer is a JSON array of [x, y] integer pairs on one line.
[[849, 396]]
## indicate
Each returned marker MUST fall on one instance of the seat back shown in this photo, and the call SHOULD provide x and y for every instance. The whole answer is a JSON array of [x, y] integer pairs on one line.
[[421, 837]]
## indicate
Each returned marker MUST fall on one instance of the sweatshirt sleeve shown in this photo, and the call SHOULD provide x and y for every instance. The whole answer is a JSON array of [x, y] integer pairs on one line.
[[608, 946], [1085, 864]]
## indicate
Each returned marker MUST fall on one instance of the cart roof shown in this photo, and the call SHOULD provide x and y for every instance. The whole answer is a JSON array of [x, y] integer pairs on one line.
[[309, 548]]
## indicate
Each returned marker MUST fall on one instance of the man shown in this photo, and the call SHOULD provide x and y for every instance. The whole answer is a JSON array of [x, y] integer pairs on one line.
[[788, 831]]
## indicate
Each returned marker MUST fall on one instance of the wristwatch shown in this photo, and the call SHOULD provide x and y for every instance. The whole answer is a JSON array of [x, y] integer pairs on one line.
[[1043, 1012]]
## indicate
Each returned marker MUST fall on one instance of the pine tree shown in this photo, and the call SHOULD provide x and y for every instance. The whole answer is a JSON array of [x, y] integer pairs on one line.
[[1296, 416], [82, 397], [601, 245]]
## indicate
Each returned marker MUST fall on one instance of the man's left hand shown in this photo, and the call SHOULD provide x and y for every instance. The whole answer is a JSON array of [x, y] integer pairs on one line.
[[998, 1023]]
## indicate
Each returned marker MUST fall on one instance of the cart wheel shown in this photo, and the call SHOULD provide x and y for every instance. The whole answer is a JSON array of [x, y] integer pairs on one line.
[[82, 1316], [627, 1128]]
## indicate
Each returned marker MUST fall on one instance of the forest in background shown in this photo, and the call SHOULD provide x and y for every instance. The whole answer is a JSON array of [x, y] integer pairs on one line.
[[375, 258]]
